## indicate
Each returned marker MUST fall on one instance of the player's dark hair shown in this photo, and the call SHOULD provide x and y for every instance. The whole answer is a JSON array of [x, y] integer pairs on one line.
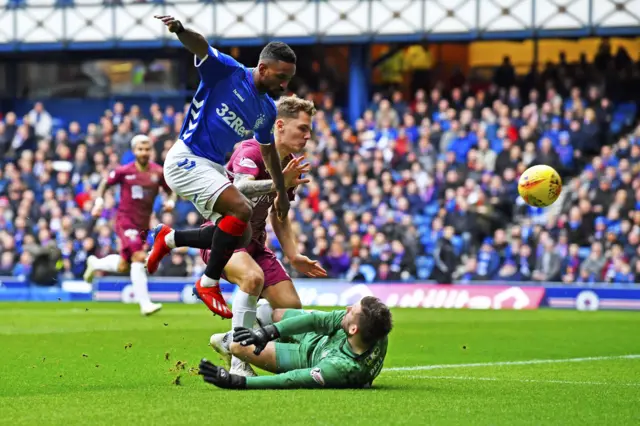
[[278, 51], [375, 320]]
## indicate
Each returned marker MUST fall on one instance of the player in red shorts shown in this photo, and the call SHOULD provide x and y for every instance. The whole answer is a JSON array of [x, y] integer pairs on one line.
[[255, 269], [139, 183]]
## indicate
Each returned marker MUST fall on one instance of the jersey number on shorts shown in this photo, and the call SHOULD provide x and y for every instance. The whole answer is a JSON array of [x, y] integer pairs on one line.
[[232, 119], [186, 164], [137, 193]]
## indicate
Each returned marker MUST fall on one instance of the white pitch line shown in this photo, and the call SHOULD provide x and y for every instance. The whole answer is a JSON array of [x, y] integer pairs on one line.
[[503, 363], [496, 379]]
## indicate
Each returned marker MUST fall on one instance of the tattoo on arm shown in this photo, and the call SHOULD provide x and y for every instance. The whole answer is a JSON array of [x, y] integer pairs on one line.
[[252, 188]]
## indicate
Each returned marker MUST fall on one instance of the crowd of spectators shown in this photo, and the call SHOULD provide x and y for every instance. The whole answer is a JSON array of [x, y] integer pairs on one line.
[[417, 188]]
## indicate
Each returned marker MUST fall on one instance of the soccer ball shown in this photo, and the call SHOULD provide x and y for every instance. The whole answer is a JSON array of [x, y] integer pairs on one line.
[[540, 186]]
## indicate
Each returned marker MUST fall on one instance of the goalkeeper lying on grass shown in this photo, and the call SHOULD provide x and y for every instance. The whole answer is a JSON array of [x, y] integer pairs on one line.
[[339, 349]]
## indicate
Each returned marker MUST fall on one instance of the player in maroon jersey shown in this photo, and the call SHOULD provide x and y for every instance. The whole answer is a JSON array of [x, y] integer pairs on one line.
[[139, 183], [255, 269]]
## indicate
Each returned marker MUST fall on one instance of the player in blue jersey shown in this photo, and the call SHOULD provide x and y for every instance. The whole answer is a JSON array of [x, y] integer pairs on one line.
[[231, 102]]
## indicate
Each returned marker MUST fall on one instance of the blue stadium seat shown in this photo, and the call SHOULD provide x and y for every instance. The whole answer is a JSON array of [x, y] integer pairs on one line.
[[57, 124], [183, 208], [369, 272], [432, 209], [424, 266], [458, 243], [583, 252], [424, 229]]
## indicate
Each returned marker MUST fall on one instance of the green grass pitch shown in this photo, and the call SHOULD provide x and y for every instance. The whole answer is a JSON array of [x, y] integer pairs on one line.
[[91, 363]]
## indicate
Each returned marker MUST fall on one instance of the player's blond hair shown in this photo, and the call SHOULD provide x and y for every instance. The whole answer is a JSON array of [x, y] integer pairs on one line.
[[291, 106]]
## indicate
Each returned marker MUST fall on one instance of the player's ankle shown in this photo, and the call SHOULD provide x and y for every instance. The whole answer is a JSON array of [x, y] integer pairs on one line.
[[206, 281]]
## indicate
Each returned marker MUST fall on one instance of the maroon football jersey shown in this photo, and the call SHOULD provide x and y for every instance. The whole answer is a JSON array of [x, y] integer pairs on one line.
[[138, 191], [247, 160]]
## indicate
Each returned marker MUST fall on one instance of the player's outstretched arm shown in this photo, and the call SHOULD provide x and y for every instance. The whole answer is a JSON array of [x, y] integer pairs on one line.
[[302, 263], [322, 376], [193, 41], [251, 188]]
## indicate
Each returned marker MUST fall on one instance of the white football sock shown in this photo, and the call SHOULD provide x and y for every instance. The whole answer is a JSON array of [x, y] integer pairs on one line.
[[244, 313], [108, 264], [265, 312], [206, 281], [139, 283], [170, 239]]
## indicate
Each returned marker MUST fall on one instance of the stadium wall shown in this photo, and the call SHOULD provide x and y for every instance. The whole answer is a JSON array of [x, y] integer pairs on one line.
[[511, 296], [91, 24]]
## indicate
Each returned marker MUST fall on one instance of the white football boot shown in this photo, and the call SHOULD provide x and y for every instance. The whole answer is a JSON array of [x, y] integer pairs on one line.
[[220, 343], [150, 309]]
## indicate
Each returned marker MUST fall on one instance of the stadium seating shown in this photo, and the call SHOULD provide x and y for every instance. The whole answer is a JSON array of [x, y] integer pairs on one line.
[[408, 171]]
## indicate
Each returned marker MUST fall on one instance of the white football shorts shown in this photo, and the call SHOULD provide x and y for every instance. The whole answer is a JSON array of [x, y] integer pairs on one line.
[[195, 178]]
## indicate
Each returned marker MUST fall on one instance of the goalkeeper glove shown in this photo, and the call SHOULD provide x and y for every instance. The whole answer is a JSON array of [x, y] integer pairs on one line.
[[220, 377], [258, 337]]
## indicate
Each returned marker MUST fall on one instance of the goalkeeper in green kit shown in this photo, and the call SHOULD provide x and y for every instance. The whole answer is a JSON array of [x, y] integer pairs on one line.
[[338, 349]]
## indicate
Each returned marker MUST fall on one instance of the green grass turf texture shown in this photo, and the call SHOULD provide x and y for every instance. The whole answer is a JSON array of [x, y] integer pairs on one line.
[[91, 363]]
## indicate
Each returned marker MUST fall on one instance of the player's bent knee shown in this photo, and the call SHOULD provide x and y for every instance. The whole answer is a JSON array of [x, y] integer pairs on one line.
[[242, 210], [252, 282]]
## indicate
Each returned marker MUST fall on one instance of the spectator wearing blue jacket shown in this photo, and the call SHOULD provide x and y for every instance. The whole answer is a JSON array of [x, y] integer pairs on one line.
[[488, 260], [565, 152]]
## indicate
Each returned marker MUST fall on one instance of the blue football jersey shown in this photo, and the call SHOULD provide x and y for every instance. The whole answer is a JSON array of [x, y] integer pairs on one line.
[[226, 109]]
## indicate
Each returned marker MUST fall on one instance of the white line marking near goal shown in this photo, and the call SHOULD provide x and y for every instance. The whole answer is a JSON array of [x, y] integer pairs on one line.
[[496, 379], [503, 363]]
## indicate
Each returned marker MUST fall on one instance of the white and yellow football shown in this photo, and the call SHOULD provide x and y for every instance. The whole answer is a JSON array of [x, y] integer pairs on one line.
[[540, 186]]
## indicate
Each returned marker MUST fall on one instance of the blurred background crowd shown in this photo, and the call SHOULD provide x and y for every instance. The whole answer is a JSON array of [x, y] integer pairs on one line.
[[420, 187]]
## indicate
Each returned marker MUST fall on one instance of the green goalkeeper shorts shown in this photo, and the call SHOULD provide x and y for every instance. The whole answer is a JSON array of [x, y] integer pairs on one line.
[[295, 355]]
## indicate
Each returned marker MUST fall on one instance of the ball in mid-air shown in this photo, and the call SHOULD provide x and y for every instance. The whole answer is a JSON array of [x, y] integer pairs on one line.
[[540, 186]]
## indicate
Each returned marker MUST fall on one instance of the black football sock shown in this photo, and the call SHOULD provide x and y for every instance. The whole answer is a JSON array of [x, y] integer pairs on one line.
[[226, 239], [195, 238]]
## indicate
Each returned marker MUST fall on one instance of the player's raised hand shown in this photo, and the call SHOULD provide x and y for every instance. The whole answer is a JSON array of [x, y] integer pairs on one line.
[[172, 23], [294, 170], [310, 268], [282, 205]]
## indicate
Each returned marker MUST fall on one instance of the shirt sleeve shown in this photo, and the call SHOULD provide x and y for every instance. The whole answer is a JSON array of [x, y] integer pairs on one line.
[[264, 135], [317, 321], [325, 375], [115, 177], [215, 66], [248, 161]]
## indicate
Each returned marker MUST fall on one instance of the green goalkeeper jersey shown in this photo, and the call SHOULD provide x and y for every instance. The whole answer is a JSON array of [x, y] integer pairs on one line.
[[325, 358]]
